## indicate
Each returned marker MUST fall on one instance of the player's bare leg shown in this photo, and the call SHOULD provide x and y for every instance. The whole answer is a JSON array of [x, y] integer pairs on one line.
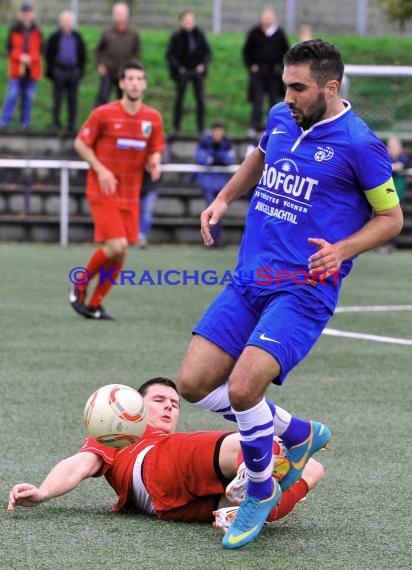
[[205, 367]]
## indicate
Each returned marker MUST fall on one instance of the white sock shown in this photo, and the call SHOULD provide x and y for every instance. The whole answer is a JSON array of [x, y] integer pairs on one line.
[[281, 420], [217, 401]]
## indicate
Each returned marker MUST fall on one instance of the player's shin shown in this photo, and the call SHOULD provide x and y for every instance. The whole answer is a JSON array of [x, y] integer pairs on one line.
[[293, 430], [256, 440]]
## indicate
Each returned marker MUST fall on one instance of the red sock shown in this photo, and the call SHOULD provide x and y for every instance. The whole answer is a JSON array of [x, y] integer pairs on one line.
[[97, 260], [288, 500], [102, 289]]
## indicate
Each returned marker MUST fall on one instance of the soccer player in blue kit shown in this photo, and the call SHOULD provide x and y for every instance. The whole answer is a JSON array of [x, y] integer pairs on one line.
[[324, 194]]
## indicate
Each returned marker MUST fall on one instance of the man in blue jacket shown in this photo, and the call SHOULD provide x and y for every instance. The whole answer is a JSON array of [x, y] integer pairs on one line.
[[214, 149]]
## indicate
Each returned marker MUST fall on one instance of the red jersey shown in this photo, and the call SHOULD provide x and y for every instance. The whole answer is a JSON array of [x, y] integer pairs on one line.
[[122, 143], [180, 470], [118, 463], [180, 475]]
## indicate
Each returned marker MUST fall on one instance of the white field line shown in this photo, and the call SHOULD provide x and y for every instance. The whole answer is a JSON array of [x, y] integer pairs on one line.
[[372, 337], [373, 308]]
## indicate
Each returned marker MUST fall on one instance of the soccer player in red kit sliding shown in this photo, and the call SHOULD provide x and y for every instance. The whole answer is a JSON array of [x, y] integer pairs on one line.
[[120, 141], [175, 476]]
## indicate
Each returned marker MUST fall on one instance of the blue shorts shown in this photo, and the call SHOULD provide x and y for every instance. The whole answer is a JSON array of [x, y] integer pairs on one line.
[[285, 324]]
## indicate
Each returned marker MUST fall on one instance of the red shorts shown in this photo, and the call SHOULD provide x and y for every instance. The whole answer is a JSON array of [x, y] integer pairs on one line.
[[111, 222], [182, 475]]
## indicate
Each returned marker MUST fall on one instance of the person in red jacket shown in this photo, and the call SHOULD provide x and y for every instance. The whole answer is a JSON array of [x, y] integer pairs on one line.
[[24, 45]]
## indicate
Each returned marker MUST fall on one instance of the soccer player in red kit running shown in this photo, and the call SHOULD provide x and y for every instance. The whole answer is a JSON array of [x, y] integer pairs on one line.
[[175, 476], [119, 141]]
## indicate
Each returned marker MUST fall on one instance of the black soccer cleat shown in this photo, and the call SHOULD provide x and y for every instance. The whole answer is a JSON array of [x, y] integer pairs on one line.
[[77, 300], [98, 313]]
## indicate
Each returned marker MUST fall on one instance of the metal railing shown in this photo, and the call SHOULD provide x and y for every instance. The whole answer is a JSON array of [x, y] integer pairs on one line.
[[66, 165]]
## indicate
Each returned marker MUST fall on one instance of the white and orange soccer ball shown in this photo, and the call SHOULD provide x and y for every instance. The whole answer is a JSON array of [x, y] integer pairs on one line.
[[115, 415]]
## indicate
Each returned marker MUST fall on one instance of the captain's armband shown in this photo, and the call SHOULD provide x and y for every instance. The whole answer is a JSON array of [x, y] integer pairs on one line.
[[383, 197]]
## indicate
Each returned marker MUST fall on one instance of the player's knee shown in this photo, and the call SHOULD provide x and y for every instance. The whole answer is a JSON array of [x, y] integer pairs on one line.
[[117, 248], [186, 388], [242, 397]]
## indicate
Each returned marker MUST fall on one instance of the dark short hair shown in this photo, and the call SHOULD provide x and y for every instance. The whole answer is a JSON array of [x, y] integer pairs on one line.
[[218, 125], [133, 64], [26, 7], [324, 59], [159, 380]]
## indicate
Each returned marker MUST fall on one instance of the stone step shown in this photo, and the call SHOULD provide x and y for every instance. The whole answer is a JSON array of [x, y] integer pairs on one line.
[[172, 229], [40, 144], [165, 206]]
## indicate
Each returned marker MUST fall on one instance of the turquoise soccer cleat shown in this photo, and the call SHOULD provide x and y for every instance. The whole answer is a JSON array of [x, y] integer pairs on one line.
[[300, 454], [250, 518]]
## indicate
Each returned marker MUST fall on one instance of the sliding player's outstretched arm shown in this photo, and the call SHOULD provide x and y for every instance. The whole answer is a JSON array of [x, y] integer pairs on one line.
[[64, 477]]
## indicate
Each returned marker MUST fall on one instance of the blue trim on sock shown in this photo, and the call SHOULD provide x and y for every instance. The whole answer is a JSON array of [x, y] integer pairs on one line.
[[271, 406], [255, 429], [230, 417], [297, 431], [261, 490], [223, 410]]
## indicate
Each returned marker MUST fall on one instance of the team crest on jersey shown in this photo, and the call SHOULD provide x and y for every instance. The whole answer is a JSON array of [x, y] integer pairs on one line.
[[146, 128], [323, 153]]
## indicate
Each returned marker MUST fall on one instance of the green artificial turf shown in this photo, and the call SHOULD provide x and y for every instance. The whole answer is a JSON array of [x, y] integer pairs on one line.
[[51, 360]]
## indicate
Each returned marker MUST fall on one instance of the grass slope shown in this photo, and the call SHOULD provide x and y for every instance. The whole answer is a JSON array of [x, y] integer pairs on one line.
[[227, 80]]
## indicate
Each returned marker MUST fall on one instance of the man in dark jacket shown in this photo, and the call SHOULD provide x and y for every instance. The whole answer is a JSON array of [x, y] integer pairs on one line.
[[263, 52], [117, 45], [188, 55], [66, 60], [214, 149], [24, 45]]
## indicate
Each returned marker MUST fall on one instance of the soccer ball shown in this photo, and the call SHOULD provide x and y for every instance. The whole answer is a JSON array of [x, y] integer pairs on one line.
[[279, 448], [115, 415]]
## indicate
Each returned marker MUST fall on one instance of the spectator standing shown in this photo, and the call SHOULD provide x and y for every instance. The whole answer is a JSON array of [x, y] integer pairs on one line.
[[263, 52], [117, 44], [24, 45], [66, 61], [305, 32], [188, 55], [214, 149]]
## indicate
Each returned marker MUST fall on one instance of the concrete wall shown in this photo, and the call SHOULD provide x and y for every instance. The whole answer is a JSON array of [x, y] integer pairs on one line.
[[30, 198]]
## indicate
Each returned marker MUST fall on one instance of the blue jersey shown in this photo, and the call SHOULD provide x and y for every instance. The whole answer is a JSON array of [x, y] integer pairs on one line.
[[314, 185]]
